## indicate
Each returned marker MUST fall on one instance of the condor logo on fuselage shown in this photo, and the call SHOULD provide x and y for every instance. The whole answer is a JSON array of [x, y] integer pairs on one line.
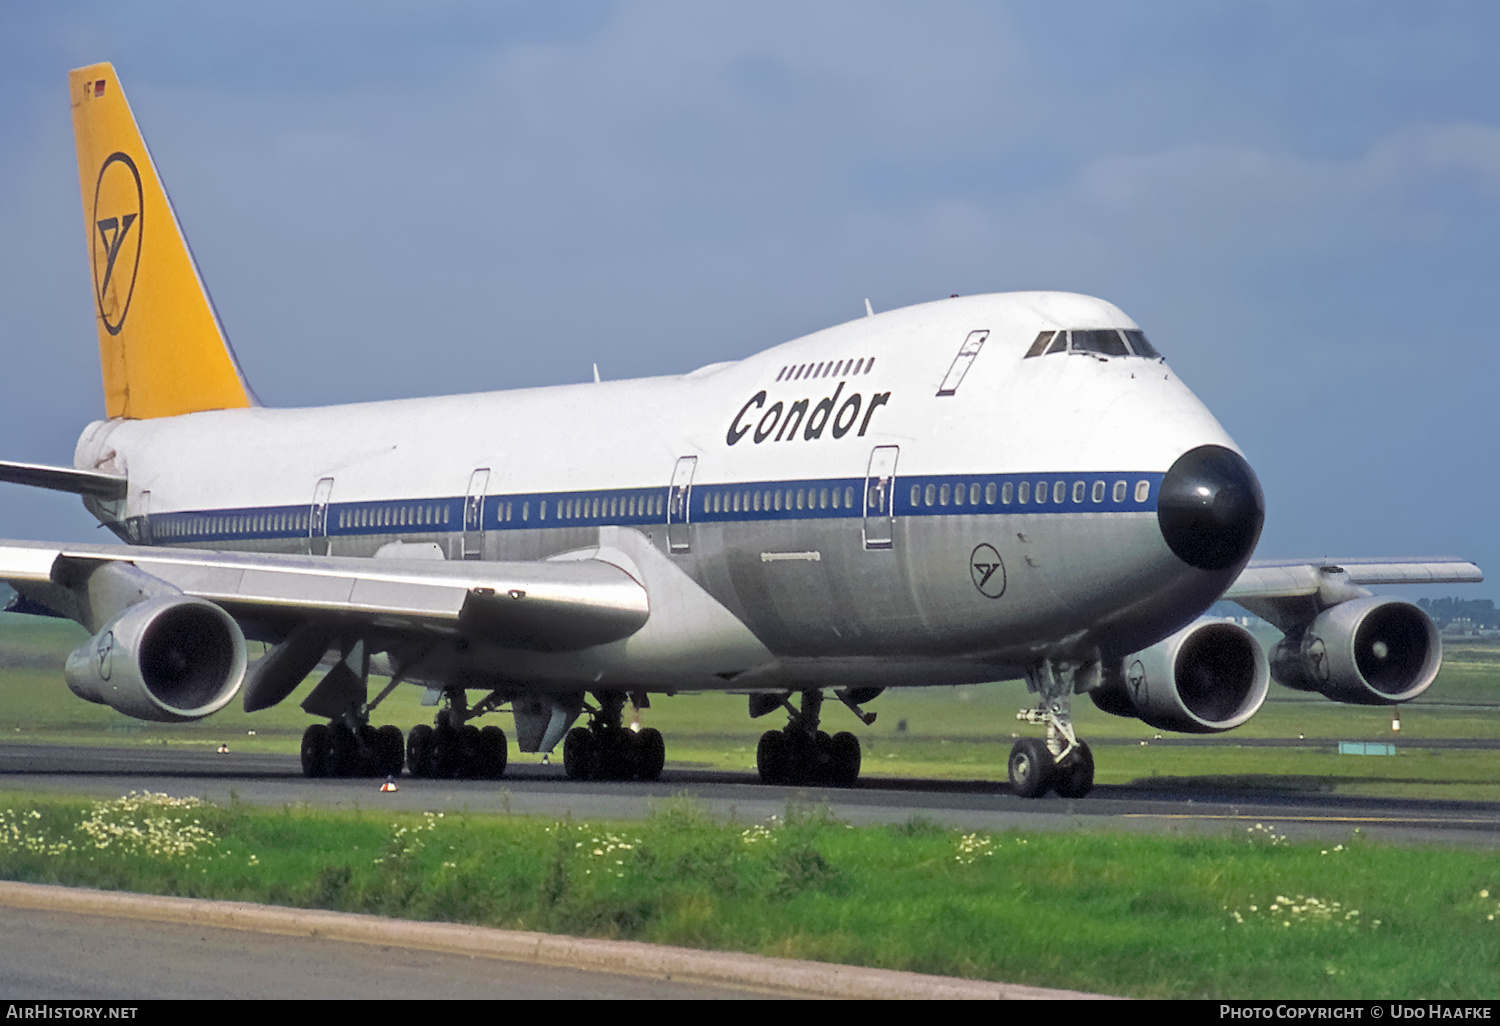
[[781, 422]]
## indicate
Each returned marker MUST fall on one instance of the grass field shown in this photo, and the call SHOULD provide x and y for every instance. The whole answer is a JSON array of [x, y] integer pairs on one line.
[[946, 733], [1242, 916], [1245, 916]]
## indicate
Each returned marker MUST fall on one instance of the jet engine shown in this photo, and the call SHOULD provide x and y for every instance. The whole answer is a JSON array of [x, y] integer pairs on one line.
[[1369, 651], [1207, 678], [170, 658]]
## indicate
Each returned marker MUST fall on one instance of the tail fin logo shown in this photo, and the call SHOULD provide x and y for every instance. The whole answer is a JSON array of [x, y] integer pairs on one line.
[[116, 249]]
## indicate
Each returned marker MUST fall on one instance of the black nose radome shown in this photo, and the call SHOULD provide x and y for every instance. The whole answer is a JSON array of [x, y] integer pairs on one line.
[[1210, 508]]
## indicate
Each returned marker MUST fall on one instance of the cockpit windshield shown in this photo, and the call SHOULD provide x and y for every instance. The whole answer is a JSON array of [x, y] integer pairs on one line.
[[1097, 341]]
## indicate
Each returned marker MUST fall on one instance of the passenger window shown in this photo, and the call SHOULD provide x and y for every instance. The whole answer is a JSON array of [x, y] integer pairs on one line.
[[1098, 495], [1142, 489], [1025, 493], [931, 495], [1007, 492], [1059, 491], [916, 495], [943, 496], [1078, 487]]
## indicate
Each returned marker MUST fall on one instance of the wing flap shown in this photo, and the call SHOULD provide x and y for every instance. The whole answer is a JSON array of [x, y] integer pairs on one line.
[[544, 605]]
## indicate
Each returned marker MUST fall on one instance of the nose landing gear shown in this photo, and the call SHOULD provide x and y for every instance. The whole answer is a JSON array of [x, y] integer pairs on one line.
[[1062, 763]]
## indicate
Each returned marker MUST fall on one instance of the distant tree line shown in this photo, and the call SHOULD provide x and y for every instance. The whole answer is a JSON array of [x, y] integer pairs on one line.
[[1479, 612]]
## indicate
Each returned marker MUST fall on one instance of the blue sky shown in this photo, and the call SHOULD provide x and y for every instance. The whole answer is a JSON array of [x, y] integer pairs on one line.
[[1299, 202]]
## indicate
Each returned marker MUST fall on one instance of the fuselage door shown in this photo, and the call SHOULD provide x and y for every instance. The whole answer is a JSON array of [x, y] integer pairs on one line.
[[317, 518], [679, 499], [961, 362], [880, 493], [479, 481], [143, 526]]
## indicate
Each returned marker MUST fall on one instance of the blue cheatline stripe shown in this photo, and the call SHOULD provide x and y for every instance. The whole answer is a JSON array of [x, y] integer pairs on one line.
[[821, 498]]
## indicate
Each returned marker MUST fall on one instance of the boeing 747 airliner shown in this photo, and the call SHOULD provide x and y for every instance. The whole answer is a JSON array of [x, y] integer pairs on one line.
[[981, 488]]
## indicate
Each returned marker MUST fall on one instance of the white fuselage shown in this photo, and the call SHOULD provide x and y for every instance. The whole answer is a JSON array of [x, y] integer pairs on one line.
[[863, 527]]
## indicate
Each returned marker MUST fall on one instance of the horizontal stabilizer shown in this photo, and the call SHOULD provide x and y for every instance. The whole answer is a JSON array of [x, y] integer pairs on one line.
[[97, 483]]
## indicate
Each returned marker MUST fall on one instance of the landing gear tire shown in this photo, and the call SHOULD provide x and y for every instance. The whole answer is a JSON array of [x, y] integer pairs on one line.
[[579, 754], [343, 752], [1075, 777], [614, 754], [418, 748], [844, 759], [390, 751], [1031, 768], [315, 746], [443, 753], [650, 754], [773, 758], [467, 764], [493, 751]]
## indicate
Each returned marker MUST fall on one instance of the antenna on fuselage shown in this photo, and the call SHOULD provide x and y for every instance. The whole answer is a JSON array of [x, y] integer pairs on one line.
[[869, 310], [596, 374]]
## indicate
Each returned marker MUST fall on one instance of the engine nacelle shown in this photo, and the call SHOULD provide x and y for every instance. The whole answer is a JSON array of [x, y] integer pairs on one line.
[[171, 658], [1207, 678], [1369, 651]]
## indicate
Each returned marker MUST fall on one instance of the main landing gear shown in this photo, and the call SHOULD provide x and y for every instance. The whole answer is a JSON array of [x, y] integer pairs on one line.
[[1061, 763], [453, 747], [349, 747], [606, 750], [800, 753], [340, 749]]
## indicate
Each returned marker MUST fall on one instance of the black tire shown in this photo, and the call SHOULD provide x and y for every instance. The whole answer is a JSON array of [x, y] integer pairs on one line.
[[1075, 778], [578, 754], [651, 754], [843, 768], [773, 758], [343, 753], [493, 752], [418, 747], [468, 763], [1031, 768], [443, 756], [614, 755], [315, 747], [390, 747]]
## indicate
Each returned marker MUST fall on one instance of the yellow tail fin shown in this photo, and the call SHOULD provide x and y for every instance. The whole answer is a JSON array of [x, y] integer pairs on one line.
[[161, 347]]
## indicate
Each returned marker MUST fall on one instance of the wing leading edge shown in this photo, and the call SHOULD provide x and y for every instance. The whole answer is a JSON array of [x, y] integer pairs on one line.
[[1284, 578], [551, 606]]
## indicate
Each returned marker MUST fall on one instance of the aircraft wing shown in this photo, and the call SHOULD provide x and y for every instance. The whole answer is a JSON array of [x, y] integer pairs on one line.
[[1291, 592], [1278, 578], [547, 605]]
